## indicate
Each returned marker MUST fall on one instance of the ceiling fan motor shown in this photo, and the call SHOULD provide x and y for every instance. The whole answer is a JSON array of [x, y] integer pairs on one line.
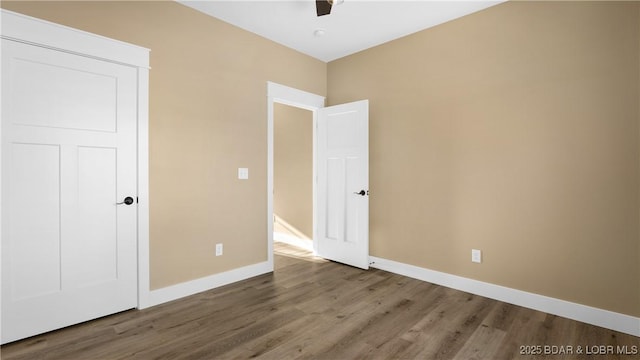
[[323, 7]]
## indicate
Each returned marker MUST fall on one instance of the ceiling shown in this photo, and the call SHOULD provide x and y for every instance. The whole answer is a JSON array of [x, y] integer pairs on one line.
[[352, 26]]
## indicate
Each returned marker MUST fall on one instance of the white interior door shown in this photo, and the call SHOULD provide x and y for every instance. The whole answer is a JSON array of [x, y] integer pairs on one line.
[[68, 158], [343, 183]]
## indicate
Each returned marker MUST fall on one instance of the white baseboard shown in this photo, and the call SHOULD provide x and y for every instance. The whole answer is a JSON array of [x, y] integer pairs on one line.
[[607, 319], [174, 292]]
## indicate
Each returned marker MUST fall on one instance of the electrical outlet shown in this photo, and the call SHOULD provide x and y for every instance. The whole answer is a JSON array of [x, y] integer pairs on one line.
[[476, 256], [218, 249]]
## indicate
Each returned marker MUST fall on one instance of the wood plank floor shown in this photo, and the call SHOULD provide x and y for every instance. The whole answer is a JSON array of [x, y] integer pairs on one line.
[[311, 308]]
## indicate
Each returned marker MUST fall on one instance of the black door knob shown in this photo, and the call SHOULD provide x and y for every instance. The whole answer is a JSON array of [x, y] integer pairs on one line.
[[361, 193], [127, 201]]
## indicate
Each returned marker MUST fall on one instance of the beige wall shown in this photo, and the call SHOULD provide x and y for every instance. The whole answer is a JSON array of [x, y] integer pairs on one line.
[[207, 118], [293, 167], [514, 130]]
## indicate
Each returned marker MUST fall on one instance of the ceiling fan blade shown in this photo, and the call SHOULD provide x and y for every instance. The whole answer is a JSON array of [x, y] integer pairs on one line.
[[323, 7]]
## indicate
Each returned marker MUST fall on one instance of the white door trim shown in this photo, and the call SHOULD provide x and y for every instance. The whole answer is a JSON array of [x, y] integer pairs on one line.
[[29, 30], [281, 94]]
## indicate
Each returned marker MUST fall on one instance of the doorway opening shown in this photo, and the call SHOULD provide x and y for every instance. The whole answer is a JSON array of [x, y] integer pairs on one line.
[[279, 96], [293, 176], [340, 175]]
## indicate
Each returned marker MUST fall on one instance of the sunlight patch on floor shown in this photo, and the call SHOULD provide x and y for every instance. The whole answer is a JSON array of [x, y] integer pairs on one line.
[[283, 233]]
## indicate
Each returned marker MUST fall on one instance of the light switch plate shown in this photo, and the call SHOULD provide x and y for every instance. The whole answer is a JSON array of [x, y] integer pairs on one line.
[[476, 256], [243, 173]]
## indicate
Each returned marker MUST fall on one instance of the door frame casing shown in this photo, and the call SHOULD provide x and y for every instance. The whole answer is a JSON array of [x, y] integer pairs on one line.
[[285, 95], [32, 31]]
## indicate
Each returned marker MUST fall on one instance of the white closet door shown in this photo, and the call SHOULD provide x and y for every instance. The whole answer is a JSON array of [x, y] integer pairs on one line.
[[68, 158]]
